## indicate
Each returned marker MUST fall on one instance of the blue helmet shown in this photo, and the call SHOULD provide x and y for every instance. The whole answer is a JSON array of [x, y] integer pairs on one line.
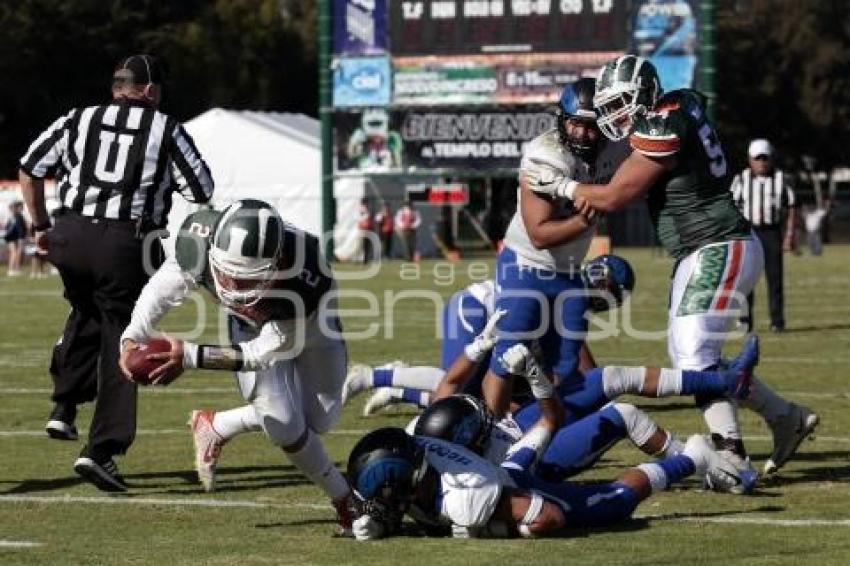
[[384, 468], [610, 277], [577, 102]]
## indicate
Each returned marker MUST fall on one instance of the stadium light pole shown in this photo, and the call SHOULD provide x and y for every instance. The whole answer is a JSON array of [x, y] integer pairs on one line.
[[708, 48], [326, 139]]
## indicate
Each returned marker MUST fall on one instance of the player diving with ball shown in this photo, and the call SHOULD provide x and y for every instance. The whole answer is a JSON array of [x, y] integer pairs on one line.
[[287, 352]]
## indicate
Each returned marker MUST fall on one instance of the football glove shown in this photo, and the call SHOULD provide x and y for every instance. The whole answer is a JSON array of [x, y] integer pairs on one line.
[[518, 360], [485, 341], [367, 527], [549, 181]]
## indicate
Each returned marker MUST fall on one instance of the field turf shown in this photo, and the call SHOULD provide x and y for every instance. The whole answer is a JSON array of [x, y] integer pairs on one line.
[[265, 512]]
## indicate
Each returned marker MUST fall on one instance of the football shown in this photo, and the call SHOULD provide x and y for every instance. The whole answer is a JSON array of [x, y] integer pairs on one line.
[[138, 364]]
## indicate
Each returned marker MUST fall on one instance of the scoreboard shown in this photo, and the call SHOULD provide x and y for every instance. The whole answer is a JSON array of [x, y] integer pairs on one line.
[[466, 27]]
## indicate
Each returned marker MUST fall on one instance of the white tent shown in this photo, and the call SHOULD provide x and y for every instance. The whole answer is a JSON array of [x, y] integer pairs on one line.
[[270, 156]]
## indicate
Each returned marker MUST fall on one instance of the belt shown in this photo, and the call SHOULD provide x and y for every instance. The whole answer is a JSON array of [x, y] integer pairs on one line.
[[136, 225]]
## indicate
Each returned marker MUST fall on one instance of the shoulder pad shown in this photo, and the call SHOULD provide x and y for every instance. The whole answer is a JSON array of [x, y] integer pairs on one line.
[[659, 132], [547, 152], [193, 241]]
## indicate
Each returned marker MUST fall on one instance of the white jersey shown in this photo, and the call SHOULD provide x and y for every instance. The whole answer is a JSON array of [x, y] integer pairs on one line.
[[504, 434], [546, 152], [470, 486]]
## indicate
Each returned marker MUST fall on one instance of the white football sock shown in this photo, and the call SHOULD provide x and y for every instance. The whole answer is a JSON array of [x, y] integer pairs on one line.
[[618, 380], [638, 424], [721, 416], [313, 462], [236, 421], [766, 402], [669, 382], [420, 377]]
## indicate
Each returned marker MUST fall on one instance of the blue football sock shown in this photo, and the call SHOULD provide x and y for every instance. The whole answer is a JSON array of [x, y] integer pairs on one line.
[[676, 468], [382, 377], [703, 383]]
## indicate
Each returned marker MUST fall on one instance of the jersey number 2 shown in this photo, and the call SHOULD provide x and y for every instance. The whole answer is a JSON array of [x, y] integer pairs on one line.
[[716, 159]]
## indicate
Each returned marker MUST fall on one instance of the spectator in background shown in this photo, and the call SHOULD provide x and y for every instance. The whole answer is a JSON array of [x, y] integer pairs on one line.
[[407, 221], [384, 224], [16, 237], [813, 220], [766, 198], [366, 225]]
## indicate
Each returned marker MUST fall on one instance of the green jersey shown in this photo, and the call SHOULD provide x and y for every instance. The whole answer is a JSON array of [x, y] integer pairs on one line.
[[690, 205]]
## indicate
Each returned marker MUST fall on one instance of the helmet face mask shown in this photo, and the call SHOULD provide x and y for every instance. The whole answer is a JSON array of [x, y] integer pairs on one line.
[[576, 108], [625, 88], [385, 468], [244, 253]]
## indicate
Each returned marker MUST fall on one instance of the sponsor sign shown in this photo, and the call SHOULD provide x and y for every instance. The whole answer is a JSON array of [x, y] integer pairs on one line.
[[363, 81]]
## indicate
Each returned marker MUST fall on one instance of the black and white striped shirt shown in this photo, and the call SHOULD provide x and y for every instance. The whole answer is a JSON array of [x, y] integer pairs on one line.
[[762, 200], [120, 160]]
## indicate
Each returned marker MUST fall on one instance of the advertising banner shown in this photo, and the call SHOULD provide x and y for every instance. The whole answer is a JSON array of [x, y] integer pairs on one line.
[[377, 140], [362, 81], [666, 33], [497, 79], [360, 27]]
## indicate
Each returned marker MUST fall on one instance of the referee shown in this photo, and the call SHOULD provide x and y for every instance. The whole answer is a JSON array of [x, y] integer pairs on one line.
[[766, 198], [117, 166]]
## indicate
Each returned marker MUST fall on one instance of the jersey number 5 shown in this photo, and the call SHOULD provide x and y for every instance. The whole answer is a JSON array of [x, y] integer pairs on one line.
[[716, 159]]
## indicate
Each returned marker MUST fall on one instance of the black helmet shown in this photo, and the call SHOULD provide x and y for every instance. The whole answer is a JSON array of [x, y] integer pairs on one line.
[[383, 469], [577, 102], [461, 419]]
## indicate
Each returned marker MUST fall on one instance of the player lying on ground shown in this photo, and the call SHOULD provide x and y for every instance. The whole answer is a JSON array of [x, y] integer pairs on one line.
[[608, 279], [679, 165], [446, 485], [289, 362], [593, 423]]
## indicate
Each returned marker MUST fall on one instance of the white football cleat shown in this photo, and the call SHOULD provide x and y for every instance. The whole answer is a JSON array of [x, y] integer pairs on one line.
[[720, 474], [382, 397], [356, 381], [208, 445], [788, 432]]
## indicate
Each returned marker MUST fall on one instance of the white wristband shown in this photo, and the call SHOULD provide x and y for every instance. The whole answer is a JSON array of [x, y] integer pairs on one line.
[[569, 190], [473, 352], [190, 355]]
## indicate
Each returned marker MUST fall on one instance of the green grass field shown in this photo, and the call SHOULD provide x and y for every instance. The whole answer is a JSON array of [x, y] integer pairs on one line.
[[265, 512]]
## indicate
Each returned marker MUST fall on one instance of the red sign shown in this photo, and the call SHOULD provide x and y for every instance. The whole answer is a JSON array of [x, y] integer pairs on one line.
[[456, 194]]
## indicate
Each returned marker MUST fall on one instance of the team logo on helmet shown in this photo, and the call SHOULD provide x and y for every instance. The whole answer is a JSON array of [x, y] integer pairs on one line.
[[245, 250], [609, 278]]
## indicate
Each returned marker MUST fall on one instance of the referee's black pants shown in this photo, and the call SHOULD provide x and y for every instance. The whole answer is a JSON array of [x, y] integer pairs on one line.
[[103, 268], [771, 241]]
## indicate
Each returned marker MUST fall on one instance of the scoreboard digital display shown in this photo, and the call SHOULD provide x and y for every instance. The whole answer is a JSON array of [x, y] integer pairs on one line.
[[463, 27]]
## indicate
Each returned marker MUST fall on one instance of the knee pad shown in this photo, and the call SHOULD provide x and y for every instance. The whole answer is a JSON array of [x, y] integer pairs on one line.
[[638, 424], [618, 381], [283, 424]]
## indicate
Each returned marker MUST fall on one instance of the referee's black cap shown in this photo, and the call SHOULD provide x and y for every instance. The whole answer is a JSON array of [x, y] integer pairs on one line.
[[143, 69]]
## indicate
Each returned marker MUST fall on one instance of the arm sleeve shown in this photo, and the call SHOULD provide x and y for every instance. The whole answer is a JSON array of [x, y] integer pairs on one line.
[[791, 199], [188, 168], [47, 149], [167, 288], [261, 352]]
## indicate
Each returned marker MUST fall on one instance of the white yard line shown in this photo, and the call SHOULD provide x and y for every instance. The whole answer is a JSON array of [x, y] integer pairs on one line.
[[248, 504], [19, 544]]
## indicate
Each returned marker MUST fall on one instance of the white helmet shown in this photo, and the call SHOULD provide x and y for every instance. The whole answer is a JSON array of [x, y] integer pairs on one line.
[[625, 87], [244, 252]]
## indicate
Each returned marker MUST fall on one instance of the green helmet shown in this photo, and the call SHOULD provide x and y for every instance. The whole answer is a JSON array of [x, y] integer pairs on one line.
[[244, 253], [625, 87]]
